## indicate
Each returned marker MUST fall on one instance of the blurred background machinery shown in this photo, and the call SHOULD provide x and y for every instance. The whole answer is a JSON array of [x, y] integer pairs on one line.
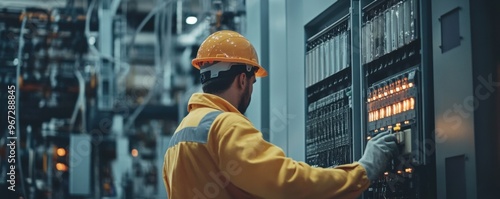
[[99, 85]]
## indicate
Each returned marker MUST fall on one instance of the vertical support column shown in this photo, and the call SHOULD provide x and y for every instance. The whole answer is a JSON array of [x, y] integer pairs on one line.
[[427, 126], [358, 105], [295, 71], [79, 164], [426, 71], [123, 162], [106, 85], [257, 31], [253, 34], [278, 74], [264, 60]]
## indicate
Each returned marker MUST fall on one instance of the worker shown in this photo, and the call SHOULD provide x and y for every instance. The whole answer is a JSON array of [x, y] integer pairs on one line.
[[216, 152]]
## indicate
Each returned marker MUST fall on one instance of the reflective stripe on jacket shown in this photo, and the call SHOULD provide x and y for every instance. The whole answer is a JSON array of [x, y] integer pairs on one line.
[[217, 153]]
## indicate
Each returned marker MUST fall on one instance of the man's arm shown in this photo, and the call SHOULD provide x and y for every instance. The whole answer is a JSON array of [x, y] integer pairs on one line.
[[262, 168]]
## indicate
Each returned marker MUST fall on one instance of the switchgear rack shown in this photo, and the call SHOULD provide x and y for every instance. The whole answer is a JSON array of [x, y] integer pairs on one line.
[[328, 89], [367, 70], [396, 92]]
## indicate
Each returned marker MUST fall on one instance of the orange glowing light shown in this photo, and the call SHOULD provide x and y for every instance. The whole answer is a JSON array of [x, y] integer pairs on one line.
[[61, 152], [61, 167], [412, 103], [410, 85], [135, 152], [408, 170]]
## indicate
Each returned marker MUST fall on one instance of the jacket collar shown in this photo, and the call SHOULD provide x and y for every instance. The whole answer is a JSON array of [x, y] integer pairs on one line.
[[205, 100]]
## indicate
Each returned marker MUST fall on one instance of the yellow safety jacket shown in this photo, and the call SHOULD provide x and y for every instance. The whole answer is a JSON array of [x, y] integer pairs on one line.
[[217, 153]]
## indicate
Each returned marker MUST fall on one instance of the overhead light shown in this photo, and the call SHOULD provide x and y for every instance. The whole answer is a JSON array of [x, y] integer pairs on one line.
[[191, 20], [92, 40]]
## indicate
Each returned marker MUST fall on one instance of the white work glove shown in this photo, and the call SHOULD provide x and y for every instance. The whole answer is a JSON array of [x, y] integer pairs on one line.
[[379, 150]]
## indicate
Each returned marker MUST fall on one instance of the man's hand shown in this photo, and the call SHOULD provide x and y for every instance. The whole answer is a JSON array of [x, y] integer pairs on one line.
[[379, 150]]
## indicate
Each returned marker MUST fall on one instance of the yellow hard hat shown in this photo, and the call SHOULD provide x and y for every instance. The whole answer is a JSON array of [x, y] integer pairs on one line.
[[228, 46]]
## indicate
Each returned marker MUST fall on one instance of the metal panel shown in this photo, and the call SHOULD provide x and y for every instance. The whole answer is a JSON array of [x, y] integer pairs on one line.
[[80, 148], [253, 34], [454, 116], [357, 81], [313, 8], [486, 74], [455, 177], [295, 72], [278, 81], [257, 32], [106, 85]]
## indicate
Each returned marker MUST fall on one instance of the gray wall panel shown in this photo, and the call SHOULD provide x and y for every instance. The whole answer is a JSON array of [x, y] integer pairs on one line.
[[253, 34], [278, 62], [454, 117], [295, 72]]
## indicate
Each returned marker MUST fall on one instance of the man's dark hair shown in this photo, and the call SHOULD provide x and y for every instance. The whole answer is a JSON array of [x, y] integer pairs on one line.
[[225, 79]]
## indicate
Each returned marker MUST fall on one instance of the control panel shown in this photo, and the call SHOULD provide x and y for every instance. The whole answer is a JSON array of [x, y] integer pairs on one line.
[[393, 67], [328, 88]]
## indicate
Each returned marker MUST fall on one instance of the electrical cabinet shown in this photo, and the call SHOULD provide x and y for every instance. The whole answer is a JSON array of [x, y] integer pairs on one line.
[[328, 89], [397, 90], [367, 70]]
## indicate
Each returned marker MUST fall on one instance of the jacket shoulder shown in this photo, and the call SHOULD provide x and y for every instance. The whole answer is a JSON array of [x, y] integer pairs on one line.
[[228, 118]]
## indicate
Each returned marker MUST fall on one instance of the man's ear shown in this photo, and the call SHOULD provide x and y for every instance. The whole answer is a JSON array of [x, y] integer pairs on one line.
[[241, 80]]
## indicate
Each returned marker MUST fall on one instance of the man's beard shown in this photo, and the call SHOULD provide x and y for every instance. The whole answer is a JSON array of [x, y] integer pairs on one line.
[[242, 107]]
